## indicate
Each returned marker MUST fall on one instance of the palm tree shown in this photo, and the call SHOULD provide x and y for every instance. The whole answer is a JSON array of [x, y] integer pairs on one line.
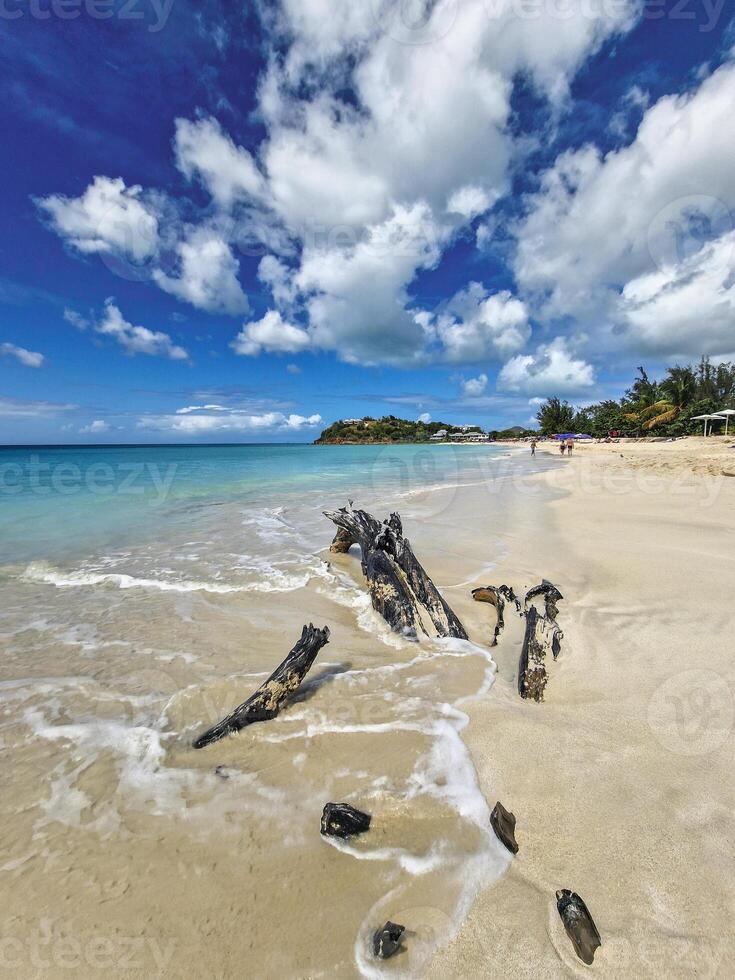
[[679, 390]]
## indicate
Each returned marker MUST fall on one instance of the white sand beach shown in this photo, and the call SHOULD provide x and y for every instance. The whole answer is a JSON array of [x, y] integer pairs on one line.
[[622, 781]]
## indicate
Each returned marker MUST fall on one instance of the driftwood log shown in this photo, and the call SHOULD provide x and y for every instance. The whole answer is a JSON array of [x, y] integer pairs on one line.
[[271, 696], [497, 597], [399, 586], [542, 633], [532, 675], [579, 925]]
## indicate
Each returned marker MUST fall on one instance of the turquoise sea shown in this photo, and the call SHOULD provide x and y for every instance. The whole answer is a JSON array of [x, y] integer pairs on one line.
[[146, 592], [57, 502]]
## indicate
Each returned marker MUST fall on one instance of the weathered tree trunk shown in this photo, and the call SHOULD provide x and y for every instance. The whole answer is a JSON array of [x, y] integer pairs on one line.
[[271, 696], [532, 676], [342, 543], [398, 583]]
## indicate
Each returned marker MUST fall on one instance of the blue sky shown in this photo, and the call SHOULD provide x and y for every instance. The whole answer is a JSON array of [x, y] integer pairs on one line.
[[241, 222]]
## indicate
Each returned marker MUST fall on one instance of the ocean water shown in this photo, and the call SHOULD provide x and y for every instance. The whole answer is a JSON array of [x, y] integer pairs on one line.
[[146, 592]]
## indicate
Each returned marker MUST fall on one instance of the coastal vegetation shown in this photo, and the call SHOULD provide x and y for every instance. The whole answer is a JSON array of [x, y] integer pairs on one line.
[[387, 429], [665, 407]]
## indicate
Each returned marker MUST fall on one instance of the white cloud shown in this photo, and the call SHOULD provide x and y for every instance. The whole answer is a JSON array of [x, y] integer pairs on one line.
[[477, 325], [28, 357], [108, 217], [137, 340], [293, 369], [552, 370], [469, 201], [273, 334], [228, 172], [95, 427], [688, 308], [76, 319], [188, 409], [207, 274], [473, 387], [600, 223], [234, 421], [362, 194], [425, 417], [20, 408]]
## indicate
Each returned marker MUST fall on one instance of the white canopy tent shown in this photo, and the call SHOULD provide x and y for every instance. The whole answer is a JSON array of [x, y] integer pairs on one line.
[[725, 414], [708, 418]]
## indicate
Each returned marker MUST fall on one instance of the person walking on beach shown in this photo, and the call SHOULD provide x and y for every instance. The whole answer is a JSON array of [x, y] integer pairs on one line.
[[570, 446], [562, 446], [533, 447]]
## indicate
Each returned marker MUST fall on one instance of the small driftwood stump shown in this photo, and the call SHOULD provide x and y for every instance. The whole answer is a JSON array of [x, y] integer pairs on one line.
[[497, 597], [399, 586], [542, 633], [504, 824], [579, 925], [343, 820], [271, 696]]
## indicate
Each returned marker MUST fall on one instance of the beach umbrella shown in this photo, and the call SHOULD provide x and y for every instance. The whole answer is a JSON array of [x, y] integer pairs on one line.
[[726, 413], [706, 419]]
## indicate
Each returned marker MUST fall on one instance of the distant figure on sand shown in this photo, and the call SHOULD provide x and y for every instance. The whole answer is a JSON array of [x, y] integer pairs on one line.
[[533, 447], [570, 446], [562, 446]]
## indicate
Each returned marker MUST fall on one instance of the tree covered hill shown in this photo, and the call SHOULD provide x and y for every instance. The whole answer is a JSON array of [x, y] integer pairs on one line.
[[385, 430]]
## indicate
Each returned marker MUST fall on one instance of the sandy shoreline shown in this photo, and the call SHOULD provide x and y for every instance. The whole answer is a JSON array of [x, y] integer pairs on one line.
[[622, 781]]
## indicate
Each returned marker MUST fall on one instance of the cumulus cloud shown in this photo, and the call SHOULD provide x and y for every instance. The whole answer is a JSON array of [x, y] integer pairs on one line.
[[687, 308], [469, 201], [108, 217], [365, 191], [478, 325], [28, 357], [96, 427], [580, 246], [207, 274], [552, 370], [201, 422], [133, 339], [271, 333], [228, 172], [425, 417], [474, 387]]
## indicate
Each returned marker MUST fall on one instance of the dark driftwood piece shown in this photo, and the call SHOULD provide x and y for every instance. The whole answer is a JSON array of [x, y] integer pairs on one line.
[[504, 824], [342, 542], [579, 925], [532, 676], [271, 696], [387, 941], [398, 584], [497, 597], [343, 820]]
